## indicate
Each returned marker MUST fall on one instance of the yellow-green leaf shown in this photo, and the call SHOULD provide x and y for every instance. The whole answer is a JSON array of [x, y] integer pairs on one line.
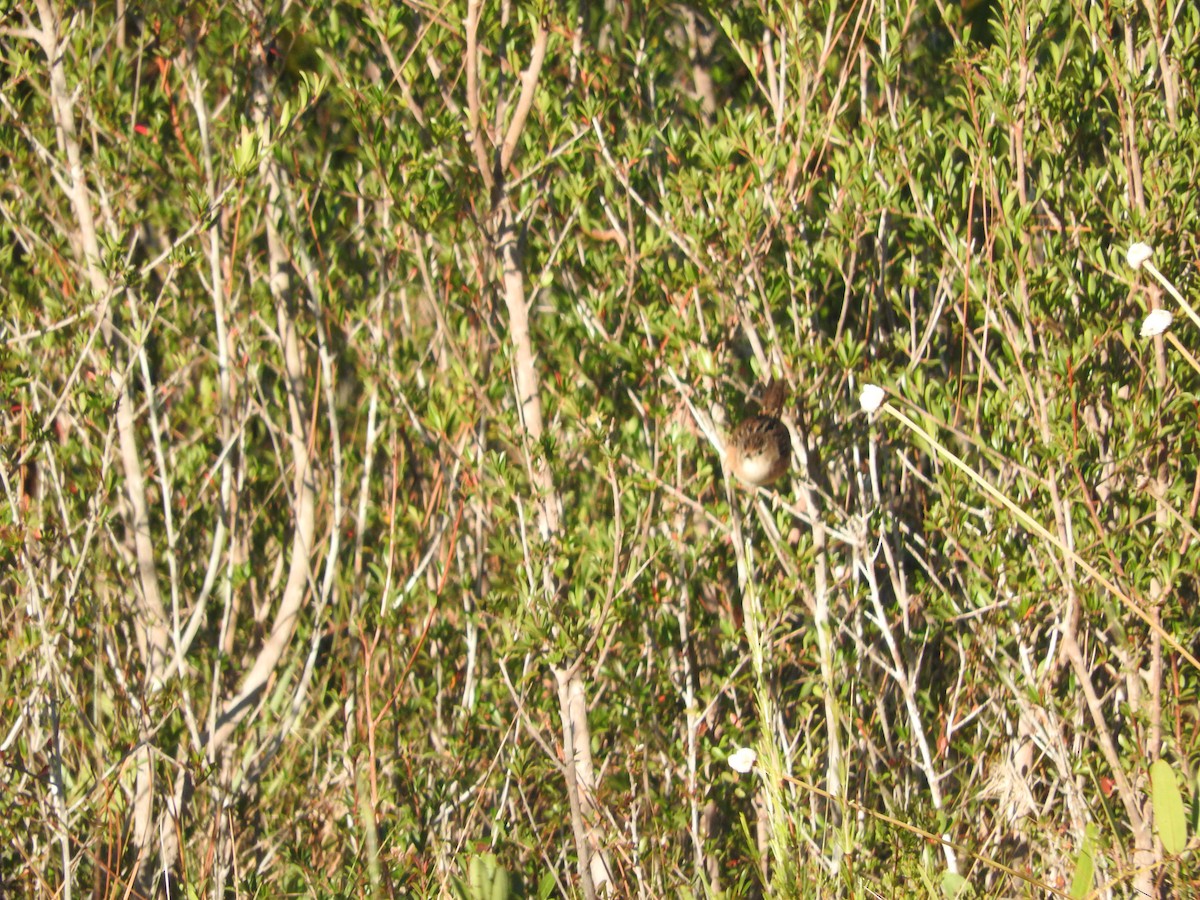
[[1085, 865], [1169, 819]]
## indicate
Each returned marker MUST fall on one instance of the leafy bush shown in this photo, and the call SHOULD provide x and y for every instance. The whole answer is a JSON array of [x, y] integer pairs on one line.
[[367, 372]]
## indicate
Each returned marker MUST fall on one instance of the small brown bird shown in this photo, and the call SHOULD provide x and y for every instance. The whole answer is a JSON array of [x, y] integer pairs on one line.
[[759, 451]]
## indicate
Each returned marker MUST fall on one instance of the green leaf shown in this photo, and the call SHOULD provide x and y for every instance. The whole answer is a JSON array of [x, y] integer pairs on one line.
[[1169, 819], [1085, 865], [953, 884]]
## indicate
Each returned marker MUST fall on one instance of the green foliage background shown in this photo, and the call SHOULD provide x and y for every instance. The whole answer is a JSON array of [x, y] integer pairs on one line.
[[936, 198]]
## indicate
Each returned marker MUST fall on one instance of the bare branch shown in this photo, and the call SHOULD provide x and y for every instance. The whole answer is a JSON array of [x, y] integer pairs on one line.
[[528, 88], [474, 126]]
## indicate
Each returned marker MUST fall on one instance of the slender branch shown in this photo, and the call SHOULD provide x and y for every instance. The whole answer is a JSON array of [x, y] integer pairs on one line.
[[474, 127], [300, 439], [529, 81], [150, 621]]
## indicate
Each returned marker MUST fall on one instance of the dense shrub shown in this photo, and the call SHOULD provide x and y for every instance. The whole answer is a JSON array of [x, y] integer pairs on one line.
[[367, 368]]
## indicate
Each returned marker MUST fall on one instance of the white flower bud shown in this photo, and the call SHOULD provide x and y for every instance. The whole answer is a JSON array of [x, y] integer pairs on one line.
[[1137, 254], [870, 398], [743, 760], [1156, 323]]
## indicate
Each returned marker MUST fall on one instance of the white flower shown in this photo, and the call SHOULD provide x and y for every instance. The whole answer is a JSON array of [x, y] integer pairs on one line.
[[1156, 323], [1137, 254], [742, 760], [870, 398]]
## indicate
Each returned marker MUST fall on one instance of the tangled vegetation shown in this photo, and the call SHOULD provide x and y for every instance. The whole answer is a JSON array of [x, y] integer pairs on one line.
[[367, 371]]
